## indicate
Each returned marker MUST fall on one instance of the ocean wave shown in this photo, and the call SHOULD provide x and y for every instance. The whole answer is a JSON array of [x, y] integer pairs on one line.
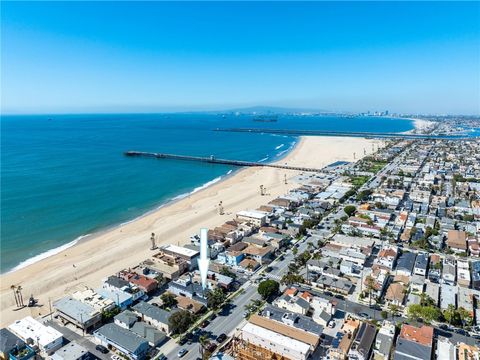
[[229, 172], [279, 146], [282, 152], [264, 159], [207, 184], [47, 254], [63, 247]]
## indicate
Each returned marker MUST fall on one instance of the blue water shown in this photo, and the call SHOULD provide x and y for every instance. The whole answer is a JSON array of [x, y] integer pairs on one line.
[[64, 176]]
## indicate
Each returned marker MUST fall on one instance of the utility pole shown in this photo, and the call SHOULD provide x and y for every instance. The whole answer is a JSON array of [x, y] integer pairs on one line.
[[353, 156], [285, 178], [220, 208], [261, 190]]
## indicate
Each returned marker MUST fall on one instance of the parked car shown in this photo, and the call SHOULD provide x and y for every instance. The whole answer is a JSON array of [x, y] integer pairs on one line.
[[183, 340], [364, 315], [331, 324], [182, 353], [204, 324], [115, 357], [102, 349], [211, 347], [221, 338]]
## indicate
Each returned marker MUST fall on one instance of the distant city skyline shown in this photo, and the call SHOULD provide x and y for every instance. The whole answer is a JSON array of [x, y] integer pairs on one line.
[[114, 57]]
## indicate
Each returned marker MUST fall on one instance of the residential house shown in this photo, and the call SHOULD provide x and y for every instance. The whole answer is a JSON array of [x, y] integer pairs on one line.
[[414, 343], [189, 255], [445, 349], [421, 264], [123, 340], [153, 315], [384, 340], [258, 218], [449, 271], [387, 258], [293, 303], [79, 314], [362, 344], [143, 282], [72, 351], [31, 331], [457, 240], [406, 263]]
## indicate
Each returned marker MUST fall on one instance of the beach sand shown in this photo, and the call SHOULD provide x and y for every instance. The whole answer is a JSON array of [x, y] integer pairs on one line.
[[104, 254]]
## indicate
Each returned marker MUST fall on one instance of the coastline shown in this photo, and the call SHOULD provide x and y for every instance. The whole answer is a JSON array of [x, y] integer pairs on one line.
[[101, 254], [420, 126], [86, 237]]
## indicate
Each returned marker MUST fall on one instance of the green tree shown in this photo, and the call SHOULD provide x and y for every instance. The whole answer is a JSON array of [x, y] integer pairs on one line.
[[169, 300], [465, 317], [450, 314], [268, 288], [290, 278], [370, 284], [295, 251], [349, 210], [215, 298], [180, 321], [227, 272], [110, 314]]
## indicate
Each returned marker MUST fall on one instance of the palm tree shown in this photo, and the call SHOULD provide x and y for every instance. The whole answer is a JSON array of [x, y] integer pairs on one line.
[[393, 309], [13, 288], [449, 313], [370, 283], [203, 340]]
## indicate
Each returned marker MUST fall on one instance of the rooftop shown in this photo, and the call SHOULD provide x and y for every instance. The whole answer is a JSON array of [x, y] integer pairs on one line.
[[29, 328], [126, 338]]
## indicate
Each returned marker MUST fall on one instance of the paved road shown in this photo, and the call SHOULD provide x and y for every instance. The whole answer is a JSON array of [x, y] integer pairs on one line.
[[71, 335], [225, 322]]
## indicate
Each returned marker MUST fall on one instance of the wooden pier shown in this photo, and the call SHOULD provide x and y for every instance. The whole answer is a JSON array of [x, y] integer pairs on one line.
[[213, 160]]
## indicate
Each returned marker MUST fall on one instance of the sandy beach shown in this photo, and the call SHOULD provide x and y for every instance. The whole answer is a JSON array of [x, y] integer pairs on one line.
[[86, 263]]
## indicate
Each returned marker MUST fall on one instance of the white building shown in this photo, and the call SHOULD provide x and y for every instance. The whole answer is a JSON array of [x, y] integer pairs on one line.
[[258, 218], [445, 349], [33, 332], [95, 300]]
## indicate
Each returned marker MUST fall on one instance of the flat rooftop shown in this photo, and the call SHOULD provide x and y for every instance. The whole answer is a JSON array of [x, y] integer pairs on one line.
[[29, 328], [181, 250]]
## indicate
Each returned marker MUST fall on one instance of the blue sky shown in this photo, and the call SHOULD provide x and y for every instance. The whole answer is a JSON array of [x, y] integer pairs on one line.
[[159, 56]]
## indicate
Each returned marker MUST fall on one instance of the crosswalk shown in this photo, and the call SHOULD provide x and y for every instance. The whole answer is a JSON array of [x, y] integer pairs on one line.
[[273, 277]]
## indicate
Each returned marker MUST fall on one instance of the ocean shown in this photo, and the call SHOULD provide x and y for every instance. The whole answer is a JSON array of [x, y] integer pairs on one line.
[[65, 176]]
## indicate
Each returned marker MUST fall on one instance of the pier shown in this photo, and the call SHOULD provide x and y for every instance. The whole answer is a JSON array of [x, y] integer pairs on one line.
[[213, 160], [383, 135]]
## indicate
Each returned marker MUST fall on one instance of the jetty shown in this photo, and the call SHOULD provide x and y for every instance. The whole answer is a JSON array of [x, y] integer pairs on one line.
[[213, 160], [370, 135]]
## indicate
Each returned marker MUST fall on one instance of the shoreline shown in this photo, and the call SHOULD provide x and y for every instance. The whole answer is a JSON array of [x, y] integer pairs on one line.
[[99, 256], [420, 126], [89, 236]]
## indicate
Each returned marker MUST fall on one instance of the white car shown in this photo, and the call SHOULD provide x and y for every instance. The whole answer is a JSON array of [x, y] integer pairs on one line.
[[115, 357]]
